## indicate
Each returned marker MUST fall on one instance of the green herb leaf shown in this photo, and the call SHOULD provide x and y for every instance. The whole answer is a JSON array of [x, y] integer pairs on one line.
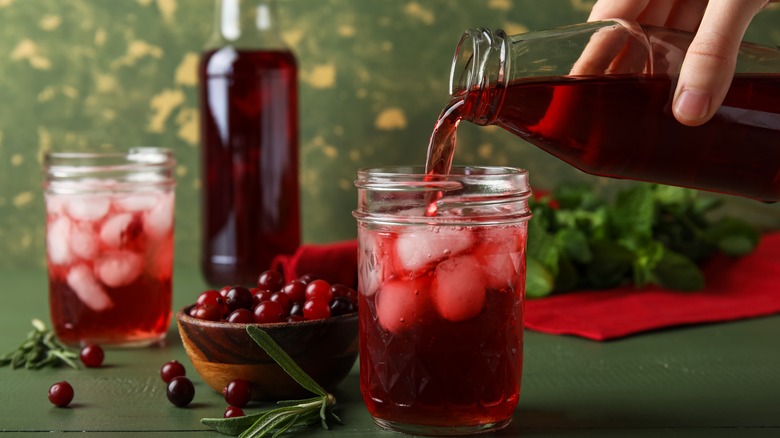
[[40, 349], [286, 362], [676, 272], [539, 281]]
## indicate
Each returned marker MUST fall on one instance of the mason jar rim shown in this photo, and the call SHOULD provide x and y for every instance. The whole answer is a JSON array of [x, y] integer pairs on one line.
[[86, 162]]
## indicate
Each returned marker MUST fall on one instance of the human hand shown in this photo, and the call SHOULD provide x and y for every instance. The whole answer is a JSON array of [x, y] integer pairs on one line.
[[709, 64]]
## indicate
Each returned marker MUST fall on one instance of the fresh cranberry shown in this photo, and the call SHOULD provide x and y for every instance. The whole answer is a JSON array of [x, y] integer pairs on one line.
[[307, 278], [296, 309], [208, 313], [209, 298], [269, 312], [295, 318], [238, 392], [261, 296], [341, 306], [340, 290], [238, 297], [296, 291], [241, 316], [61, 394], [92, 356], [271, 281], [283, 300], [223, 292], [180, 391], [316, 308], [233, 411], [319, 289], [171, 370]]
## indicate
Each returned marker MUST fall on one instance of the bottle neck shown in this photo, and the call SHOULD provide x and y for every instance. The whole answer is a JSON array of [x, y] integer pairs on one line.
[[479, 74], [246, 24]]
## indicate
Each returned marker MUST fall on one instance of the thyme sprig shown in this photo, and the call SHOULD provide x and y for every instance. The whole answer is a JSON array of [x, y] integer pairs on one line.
[[291, 414], [40, 349]]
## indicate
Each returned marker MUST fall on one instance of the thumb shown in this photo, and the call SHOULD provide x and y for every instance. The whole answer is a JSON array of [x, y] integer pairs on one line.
[[710, 61]]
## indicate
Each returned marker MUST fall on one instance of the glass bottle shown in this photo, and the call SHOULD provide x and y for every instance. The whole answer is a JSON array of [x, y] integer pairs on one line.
[[598, 96], [249, 123]]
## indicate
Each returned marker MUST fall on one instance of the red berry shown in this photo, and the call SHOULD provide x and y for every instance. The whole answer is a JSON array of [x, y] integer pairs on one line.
[[180, 391], [92, 356], [261, 296], [232, 411], [341, 306], [208, 313], [270, 280], [306, 278], [224, 290], [296, 291], [61, 394], [340, 290], [296, 309], [209, 298], [238, 297], [283, 300], [269, 312], [241, 316], [319, 289], [171, 370], [316, 308], [238, 392]]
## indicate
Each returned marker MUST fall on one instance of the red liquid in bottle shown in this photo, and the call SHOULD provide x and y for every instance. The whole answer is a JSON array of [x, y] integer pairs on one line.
[[623, 127], [250, 162]]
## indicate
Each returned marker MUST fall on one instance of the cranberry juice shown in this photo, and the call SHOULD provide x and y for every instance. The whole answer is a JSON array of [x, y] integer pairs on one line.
[[250, 162], [623, 127], [110, 259], [441, 326]]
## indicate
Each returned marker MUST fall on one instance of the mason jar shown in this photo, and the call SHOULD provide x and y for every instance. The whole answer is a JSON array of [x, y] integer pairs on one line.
[[441, 283], [109, 245]]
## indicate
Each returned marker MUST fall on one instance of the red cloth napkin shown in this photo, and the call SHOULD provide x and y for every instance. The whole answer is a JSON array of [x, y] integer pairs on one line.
[[736, 288], [333, 262]]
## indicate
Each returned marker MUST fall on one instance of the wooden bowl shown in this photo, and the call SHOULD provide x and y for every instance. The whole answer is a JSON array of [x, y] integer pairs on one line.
[[222, 351]]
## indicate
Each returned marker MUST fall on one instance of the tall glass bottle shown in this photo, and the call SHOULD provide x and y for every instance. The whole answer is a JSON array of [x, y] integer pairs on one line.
[[599, 96], [249, 135]]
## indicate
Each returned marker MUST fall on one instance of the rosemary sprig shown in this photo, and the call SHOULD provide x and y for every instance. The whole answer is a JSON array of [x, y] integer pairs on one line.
[[40, 349], [291, 414]]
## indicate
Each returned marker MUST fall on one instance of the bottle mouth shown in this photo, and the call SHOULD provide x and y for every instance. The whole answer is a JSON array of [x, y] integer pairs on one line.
[[470, 69]]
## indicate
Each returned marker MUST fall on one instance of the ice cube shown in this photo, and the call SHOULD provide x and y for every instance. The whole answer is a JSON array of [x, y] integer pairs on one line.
[[90, 292], [87, 207], [119, 268], [83, 240], [137, 201], [57, 238], [120, 229], [158, 221], [417, 249], [372, 263], [402, 304], [459, 288], [501, 256]]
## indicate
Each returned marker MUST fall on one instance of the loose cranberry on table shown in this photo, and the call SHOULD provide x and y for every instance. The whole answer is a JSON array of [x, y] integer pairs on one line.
[[180, 391], [172, 369], [238, 392], [92, 356], [233, 411], [61, 394]]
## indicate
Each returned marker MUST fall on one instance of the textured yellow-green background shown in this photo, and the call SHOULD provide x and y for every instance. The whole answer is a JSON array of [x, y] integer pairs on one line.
[[79, 74]]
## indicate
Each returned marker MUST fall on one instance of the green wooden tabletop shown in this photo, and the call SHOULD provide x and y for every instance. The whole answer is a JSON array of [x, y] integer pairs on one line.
[[713, 380]]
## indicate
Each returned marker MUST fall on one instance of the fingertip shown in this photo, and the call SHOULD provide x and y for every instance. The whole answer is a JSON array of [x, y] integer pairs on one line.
[[692, 107]]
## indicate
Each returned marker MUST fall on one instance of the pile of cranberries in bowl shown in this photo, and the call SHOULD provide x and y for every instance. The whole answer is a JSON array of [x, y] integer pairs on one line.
[[274, 301]]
